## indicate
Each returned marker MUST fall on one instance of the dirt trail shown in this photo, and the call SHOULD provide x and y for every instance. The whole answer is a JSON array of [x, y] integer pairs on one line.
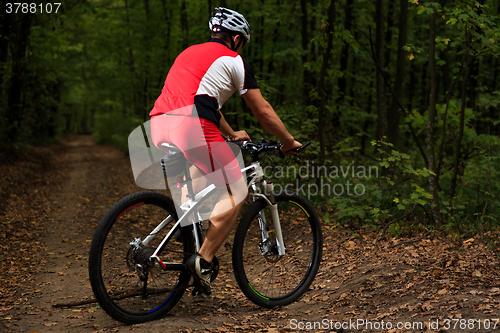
[[77, 207], [359, 279]]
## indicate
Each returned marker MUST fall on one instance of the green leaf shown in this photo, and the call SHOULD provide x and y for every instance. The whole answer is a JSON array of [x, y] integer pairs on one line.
[[422, 202], [452, 21]]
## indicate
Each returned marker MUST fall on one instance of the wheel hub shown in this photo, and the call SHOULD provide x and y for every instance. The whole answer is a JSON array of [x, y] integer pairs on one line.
[[270, 251], [138, 256]]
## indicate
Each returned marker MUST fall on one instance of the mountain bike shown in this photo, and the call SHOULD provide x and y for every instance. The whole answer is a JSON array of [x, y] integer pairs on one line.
[[137, 260]]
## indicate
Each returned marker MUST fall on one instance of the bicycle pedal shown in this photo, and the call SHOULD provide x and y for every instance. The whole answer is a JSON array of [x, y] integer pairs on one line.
[[196, 292]]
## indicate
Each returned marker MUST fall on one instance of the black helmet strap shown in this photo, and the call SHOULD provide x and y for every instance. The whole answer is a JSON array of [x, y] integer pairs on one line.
[[232, 33]]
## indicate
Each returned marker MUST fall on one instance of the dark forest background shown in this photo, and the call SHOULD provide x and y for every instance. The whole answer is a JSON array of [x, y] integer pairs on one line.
[[411, 87]]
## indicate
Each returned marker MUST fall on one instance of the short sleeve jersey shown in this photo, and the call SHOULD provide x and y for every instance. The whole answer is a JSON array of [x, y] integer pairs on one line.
[[205, 75]]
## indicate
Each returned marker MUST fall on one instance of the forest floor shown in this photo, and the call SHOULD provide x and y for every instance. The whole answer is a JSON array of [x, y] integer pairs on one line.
[[54, 197]]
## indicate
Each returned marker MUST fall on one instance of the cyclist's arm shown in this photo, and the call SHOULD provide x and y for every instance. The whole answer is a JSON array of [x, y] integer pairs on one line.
[[226, 130], [268, 118]]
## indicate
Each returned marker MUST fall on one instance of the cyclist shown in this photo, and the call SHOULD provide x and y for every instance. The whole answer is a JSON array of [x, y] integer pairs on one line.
[[206, 75]]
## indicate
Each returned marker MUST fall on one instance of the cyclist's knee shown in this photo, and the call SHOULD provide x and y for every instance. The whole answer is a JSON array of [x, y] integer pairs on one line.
[[238, 190]]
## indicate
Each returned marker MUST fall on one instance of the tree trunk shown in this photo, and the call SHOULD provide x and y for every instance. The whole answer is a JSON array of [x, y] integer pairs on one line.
[[379, 50], [167, 14], [308, 80], [474, 68], [388, 34], [460, 132], [21, 25], [184, 25], [261, 42], [344, 57], [131, 61], [147, 73], [447, 82], [5, 20], [394, 113], [321, 83], [411, 87], [495, 84], [367, 123], [433, 186], [424, 98]]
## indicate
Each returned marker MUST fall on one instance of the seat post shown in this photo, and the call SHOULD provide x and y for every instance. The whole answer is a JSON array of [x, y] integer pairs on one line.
[[189, 182], [173, 150]]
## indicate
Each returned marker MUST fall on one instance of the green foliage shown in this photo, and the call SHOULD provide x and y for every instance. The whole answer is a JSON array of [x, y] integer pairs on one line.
[[99, 67], [396, 188], [121, 124], [403, 177], [476, 200]]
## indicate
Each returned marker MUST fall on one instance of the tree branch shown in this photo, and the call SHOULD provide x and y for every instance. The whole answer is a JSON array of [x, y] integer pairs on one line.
[[393, 221]]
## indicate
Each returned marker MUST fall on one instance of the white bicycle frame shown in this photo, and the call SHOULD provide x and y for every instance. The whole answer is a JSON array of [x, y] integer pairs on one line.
[[192, 216]]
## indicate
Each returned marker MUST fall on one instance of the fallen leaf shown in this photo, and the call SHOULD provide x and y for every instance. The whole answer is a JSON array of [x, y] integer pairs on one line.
[[427, 306], [494, 291], [442, 292], [50, 324]]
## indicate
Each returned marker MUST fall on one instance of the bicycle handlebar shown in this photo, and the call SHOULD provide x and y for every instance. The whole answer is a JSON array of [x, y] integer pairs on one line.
[[255, 149]]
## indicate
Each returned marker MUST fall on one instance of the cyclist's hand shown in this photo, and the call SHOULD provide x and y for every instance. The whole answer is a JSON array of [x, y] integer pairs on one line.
[[290, 145], [239, 135]]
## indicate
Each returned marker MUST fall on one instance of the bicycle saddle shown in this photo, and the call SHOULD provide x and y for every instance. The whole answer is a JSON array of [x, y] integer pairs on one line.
[[174, 162], [170, 148]]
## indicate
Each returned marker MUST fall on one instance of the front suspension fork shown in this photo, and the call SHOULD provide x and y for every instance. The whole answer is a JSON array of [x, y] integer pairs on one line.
[[273, 207]]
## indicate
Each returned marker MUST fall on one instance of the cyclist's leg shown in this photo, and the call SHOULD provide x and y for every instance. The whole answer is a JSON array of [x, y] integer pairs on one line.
[[199, 182], [222, 219], [227, 173], [203, 145]]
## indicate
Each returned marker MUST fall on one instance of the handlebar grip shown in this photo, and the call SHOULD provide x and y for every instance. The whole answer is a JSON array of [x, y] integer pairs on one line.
[[238, 142], [304, 146], [296, 150]]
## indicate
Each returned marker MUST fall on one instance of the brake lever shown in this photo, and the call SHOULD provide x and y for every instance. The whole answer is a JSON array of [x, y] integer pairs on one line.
[[280, 152]]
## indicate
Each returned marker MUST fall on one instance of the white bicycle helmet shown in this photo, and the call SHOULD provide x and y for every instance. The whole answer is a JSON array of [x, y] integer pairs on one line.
[[226, 19]]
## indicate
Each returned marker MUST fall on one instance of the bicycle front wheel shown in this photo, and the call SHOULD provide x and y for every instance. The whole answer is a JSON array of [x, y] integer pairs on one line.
[[265, 277], [128, 285]]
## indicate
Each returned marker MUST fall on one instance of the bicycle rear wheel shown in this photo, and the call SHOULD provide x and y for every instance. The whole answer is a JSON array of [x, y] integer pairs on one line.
[[127, 284], [264, 276]]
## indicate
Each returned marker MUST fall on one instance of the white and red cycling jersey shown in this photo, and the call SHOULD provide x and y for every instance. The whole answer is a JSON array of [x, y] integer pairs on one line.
[[204, 75]]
